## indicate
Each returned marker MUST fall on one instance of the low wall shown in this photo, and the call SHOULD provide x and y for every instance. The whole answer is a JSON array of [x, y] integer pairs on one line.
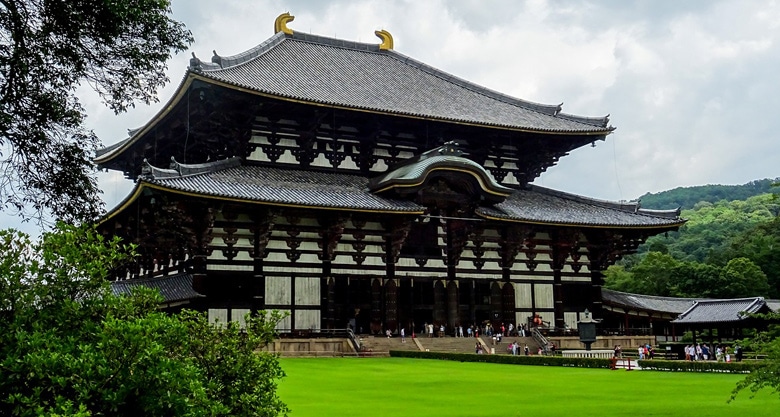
[[606, 354], [312, 347], [603, 342]]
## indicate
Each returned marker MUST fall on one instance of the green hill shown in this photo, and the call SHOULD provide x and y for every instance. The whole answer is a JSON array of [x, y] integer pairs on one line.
[[688, 197]]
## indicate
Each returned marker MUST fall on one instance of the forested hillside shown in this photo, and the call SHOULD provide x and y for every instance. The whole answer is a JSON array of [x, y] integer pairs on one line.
[[726, 249], [688, 197]]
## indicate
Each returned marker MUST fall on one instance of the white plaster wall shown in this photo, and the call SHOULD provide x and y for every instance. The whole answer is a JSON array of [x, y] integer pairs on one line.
[[543, 295], [278, 290], [307, 319], [523, 295], [307, 291]]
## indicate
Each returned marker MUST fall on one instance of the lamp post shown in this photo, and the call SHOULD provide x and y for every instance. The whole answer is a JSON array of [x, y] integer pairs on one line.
[[587, 329]]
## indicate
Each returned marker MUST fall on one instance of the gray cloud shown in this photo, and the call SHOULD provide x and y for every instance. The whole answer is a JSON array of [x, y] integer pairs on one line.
[[691, 86]]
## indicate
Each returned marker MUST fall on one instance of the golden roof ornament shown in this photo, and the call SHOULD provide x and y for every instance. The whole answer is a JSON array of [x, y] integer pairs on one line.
[[280, 24], [387, 39]]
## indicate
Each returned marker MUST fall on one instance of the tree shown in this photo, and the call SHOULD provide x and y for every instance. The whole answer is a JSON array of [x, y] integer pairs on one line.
[[68, 346], [48, 48], [696, 280], [767, 372], [744, 279], [655, 275]]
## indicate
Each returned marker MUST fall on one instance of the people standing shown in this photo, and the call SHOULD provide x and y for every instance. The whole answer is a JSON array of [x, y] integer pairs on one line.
[[403, 335]]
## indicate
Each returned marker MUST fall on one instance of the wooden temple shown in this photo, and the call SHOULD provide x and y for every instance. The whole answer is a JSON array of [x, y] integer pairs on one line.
[[351, 185]]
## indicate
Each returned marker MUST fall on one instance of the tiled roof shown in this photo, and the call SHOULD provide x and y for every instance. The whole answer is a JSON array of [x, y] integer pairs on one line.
[[355, 75], [173, 288], [415, 171], [774, 305], [721, 311], [295, 187], [286, 187], [671, 305], [541, 205]]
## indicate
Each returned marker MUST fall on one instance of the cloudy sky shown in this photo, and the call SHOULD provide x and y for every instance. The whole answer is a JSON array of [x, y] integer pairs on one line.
[[692, 86]]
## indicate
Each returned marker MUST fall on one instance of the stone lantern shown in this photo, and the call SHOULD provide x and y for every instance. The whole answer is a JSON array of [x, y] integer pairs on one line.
[[587, 329]]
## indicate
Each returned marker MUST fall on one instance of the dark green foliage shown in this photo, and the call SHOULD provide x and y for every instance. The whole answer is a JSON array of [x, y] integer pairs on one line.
[[699, 261], [48, 48], [68, 346], [767, 374], [699, 366], [687, 197], [537, 360]]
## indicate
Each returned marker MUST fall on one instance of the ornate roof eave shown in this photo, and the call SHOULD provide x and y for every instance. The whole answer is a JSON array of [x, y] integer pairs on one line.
[[415, 172], [115, 150], [487, 185], [597, 134], [659, 228], [662, 220], [111, 152], [143, 186]]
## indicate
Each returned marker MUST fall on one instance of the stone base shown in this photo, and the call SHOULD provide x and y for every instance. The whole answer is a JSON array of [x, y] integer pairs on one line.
[[604, 354]]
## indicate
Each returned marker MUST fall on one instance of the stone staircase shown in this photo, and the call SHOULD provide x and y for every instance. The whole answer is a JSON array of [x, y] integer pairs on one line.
[[380, 346]]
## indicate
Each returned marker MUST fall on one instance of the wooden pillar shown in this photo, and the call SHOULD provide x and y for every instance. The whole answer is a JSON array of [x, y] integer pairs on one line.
[[558, 256], [375, 327], [391, 305], [453, 312]]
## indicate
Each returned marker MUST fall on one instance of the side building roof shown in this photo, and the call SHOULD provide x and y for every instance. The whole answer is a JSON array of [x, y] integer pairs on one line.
[[640, 302], [173, 288], [721, 311]]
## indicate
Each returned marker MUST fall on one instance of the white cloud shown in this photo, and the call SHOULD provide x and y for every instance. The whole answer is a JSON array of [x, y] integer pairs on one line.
[[691, 86]]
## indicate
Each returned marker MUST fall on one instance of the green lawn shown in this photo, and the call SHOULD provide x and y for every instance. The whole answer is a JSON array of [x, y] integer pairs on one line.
[[374, 387]]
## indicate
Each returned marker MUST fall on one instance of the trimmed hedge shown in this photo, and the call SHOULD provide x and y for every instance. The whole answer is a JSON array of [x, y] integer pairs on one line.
[[537, 360], [699, 366], [506, 359]]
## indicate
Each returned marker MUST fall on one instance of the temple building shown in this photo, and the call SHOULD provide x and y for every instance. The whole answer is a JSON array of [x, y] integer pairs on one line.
[[353, 186]]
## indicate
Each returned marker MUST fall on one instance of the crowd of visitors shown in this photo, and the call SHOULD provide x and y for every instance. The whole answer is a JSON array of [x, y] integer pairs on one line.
[[486, 329], [721, 353], [692, 352]]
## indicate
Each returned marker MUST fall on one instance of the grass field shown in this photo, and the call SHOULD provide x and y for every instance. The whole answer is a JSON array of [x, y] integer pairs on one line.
[[375, 387]]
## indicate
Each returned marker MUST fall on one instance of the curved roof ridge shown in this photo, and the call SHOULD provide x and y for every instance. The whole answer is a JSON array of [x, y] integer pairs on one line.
[[414, 172], [630, 206], [549, 109], [220, 62], [602, 121], [668, 213], [619, 205], [180, 170], [656, 297], [721, 300]]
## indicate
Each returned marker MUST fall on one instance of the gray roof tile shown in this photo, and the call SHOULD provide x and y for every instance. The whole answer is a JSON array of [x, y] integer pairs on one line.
[[351, 192], [671, 305], [540, 205], [721, 311], [173, 288], [288, 187], [341, 73]]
